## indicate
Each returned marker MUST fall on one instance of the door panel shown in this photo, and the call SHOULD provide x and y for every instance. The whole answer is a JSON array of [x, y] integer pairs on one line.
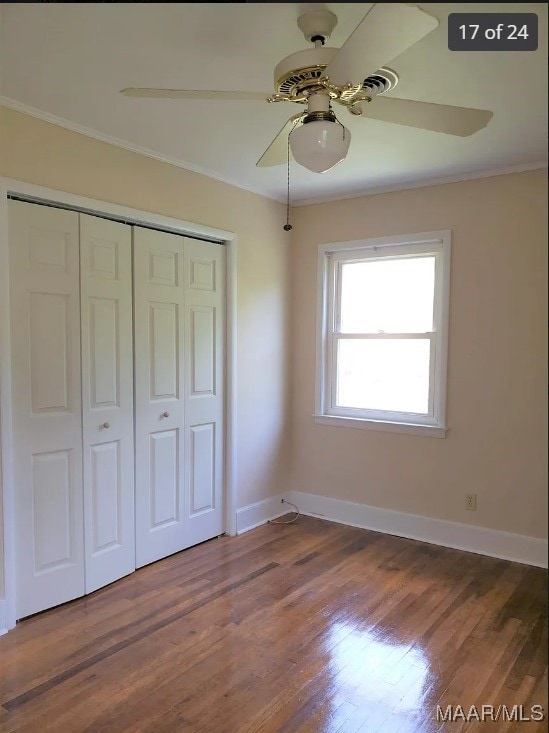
[[106, 497], [164, 351], [202, 272], [202, 460], [204, 398], [104, 363], [49, 352], [107, 398], [46, 387], [159, 405], [164, 462], [202, 350], [53, 534]]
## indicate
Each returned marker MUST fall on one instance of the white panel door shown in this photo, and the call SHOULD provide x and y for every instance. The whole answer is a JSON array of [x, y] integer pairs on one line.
[[107, 399], [204, 382], [159, 394], [47, 415]]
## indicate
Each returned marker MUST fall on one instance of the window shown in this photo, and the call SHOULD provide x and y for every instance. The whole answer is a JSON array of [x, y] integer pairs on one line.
[[382, 333]]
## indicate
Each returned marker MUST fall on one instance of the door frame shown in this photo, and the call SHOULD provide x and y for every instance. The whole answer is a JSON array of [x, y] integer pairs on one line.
[[132, 216]]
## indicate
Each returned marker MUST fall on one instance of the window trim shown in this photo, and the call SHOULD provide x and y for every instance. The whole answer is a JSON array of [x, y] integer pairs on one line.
[[329, 255]]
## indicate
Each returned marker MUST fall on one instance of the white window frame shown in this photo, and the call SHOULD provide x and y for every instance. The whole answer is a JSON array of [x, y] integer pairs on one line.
[[330, 258]]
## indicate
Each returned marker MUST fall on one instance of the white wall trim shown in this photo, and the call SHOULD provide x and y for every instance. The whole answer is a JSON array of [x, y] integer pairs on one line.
[[458, 536], [6, 433], [253, 515], [3, 625], [7, 486], [26, 109], [471, 538], [231, 390], [425, 183], [382, 426], [95, 206]]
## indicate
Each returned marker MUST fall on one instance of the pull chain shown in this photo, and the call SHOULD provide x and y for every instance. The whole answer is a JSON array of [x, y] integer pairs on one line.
[[288, 226]]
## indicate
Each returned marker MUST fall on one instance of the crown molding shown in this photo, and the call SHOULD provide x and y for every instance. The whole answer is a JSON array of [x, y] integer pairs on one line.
[[179, 163], [424, 183], [117, 142]]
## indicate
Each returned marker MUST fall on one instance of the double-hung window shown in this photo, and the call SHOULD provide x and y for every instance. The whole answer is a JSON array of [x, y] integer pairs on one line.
[[383, 333]]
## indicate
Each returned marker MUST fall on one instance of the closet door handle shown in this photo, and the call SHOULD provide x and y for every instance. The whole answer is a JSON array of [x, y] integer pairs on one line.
[[165, 414], [106, 425]]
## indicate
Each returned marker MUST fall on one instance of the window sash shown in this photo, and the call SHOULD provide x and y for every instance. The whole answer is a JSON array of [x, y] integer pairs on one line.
[[374, 414], [351, 257]]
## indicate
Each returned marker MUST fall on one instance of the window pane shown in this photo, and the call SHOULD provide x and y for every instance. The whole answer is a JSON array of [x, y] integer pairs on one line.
[[384, 374], [388, 296]]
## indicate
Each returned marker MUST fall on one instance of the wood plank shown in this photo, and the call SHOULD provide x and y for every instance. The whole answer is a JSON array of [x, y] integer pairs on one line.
[[312, 626]]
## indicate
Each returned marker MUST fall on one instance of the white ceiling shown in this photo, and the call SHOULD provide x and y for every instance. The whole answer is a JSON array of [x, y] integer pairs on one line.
[[69, 61]]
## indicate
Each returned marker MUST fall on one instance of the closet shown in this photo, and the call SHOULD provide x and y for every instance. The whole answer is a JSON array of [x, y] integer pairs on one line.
[[117, 341]]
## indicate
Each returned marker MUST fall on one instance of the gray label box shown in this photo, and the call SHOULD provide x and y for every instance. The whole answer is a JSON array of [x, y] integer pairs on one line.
[[492, 32]]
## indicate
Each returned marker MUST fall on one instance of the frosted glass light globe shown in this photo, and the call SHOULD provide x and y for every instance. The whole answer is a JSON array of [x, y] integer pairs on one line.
[[320, 145]]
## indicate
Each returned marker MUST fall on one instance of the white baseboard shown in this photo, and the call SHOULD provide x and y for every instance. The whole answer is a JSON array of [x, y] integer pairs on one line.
[[481, 540], [253, 515], [3, 625], [467, 537]]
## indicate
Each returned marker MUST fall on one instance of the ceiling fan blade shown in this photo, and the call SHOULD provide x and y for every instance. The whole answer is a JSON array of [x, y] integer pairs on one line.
[[277, 152], [460, 121], [192, 94], [386, 31]]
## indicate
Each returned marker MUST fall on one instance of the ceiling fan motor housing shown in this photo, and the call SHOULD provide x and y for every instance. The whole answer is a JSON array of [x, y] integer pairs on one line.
[[301, 74], [301, 70]]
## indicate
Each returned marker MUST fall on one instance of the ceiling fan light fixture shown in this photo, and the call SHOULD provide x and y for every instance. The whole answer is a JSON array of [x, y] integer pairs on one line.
[[351, 76], [320, 143]]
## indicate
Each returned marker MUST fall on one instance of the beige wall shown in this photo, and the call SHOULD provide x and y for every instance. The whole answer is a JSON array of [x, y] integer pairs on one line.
[[496, 444], [38, 152], [497, 386]]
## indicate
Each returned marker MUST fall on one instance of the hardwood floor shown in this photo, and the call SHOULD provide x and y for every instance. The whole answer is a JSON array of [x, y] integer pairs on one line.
[[311, 627]]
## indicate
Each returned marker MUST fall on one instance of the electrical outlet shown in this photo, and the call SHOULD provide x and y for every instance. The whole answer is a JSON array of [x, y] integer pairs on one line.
[[471, 502]]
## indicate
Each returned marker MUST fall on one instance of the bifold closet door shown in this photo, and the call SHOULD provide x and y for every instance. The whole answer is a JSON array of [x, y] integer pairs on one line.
[[179, 376], [94, 500], [47, 417], [107, 400], [204, 381], [159, 394]]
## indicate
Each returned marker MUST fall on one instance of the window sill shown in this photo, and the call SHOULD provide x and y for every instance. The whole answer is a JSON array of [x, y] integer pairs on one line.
[[430, 431]]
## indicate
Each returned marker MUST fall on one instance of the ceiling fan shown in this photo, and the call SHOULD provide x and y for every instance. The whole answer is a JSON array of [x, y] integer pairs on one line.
[[352, 76]]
